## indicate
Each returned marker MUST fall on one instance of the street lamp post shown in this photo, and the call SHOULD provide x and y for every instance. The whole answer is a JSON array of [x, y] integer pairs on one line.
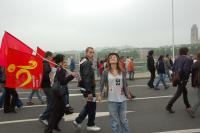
[[173, 30]]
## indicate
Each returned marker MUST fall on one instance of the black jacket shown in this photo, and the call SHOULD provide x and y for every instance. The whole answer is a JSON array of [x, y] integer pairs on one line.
[[63, 78], [46, 79], [160, 67], [150, 63], [87, 76]]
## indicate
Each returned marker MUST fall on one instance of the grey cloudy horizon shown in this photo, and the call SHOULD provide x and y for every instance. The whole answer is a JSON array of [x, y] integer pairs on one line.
[[64, 25]]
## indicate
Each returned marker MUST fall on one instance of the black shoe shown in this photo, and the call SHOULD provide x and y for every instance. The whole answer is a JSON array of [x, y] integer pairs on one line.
[[151, 86], [47, 130], [57, 129], [10, 111], [170, 110], [68, 111], [70, 108]]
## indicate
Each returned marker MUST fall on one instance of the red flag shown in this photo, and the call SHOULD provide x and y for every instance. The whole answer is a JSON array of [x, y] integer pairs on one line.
[[23, 70], [10, 41], [40, 52]]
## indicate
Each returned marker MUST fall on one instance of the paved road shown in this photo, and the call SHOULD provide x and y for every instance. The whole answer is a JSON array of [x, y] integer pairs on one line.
[[146, 114]]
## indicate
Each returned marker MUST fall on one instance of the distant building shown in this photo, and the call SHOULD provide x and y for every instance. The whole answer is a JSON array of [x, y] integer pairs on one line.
[[194, 34]]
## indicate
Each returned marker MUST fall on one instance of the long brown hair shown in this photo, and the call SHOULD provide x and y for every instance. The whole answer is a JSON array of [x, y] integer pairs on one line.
[[119, 67]]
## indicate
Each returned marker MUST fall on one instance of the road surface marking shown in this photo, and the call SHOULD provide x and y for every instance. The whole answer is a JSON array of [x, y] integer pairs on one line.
[[183, 131], [67, 118]]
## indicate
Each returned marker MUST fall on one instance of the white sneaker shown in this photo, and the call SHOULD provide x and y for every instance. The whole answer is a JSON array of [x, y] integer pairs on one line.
[[45, 122], [93, 128], [76, 124]]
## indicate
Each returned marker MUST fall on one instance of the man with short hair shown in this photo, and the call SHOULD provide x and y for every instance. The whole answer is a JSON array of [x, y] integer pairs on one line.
[[182, 66], [88, 84], [46, 86], [151, 68]]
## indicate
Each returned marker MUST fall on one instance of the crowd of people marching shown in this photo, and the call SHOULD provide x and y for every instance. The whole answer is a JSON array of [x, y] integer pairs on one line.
[[113, 72]]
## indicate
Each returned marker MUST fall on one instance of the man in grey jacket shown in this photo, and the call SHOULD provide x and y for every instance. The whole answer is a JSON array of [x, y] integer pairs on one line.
[[88, 84]]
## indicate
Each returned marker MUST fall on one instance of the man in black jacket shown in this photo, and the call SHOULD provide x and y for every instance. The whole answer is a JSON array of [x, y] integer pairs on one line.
[[151, 68], [88, 83], [46, 86]]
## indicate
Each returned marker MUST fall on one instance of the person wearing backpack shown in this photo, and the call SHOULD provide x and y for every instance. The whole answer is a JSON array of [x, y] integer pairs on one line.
[[182, 66], [161, 72], [114, 78], [196, 84]]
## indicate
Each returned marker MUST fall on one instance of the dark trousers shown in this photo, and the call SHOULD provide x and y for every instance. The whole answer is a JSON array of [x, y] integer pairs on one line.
[[10, 100], [90, 110], [181, 89], [66, 97], [131, 75], [150, 83], [57, 112], [46, 113]]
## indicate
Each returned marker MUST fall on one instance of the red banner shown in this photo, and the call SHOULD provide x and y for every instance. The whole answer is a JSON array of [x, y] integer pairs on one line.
[[23, 70], [10, 41], [40, 52]]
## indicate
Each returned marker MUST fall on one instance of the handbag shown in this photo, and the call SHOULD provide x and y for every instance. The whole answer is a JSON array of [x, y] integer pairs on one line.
[[175, 78], [57, 88]]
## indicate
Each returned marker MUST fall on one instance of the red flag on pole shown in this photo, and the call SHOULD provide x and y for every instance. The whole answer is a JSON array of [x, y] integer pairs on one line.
[[10, 41], [40, 52], [23, 70]]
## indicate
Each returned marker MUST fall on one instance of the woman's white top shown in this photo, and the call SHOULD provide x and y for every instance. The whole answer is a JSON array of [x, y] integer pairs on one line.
[[115, 85]]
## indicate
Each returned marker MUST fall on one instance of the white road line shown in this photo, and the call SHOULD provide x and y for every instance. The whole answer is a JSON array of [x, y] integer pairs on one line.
[[66, 118], [147, 98], [183, 131], [142, 98], [71, 95], [79, 89]]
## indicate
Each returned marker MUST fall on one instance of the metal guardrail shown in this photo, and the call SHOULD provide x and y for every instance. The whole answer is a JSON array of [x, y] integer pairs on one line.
[[139, 67]]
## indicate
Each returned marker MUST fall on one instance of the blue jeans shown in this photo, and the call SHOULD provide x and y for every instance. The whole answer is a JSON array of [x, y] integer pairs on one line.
[[19, 103], [118, 119], [2, 98], [161, 77], [37, 93], [66, 100]]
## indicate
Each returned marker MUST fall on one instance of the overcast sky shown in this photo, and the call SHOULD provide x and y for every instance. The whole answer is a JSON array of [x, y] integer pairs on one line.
[[75, 24]]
